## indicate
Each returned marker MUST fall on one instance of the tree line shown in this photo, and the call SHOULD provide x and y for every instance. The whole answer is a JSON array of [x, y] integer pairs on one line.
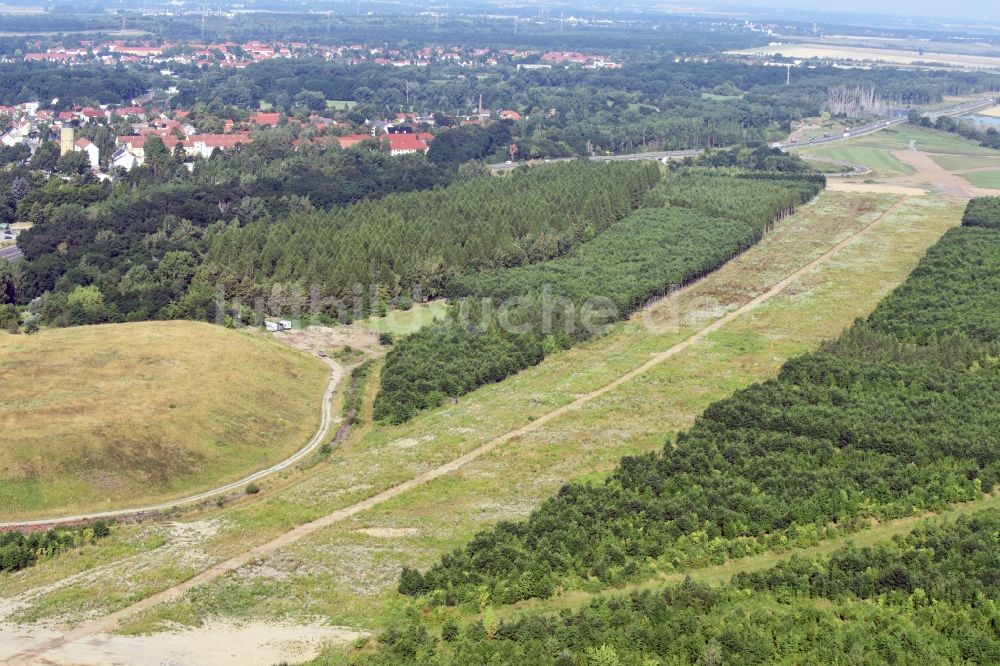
[[19, 550], [983, 212], [693, 223], [988, 138]]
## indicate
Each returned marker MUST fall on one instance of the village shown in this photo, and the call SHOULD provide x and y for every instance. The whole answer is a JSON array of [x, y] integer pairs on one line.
[[31, 125], [236, 55]]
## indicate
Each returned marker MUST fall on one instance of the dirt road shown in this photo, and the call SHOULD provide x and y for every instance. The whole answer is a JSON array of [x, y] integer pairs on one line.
[[89, 632]]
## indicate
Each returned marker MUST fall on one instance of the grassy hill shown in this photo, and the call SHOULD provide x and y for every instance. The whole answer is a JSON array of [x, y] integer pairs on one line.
[[102, 417]]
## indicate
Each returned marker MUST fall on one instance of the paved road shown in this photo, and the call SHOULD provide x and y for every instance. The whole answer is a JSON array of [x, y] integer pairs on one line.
[[10, 253], [326, 420], [956, 110]]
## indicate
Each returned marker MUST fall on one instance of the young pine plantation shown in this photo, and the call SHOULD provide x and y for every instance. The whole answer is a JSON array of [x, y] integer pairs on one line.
[[507, 319], [896, 418]]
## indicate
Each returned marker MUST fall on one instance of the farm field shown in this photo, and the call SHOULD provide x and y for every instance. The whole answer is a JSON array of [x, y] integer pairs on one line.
[[894, 56], [881, 161], [964, 162], [165, 409], [352, 566], [987, 179], [899, 137]]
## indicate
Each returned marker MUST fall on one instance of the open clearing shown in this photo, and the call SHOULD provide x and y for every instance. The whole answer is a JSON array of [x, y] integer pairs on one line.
[[960, 163], [806, 51], [404, 322], [101, 417], [874, 188], [880, 161], [986, 179], [215, 643]]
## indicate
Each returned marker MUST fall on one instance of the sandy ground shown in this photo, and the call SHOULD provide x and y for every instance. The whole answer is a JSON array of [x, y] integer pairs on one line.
[[213, 644], [928, 172], [389, 532], [326, 339], [902, 57], [993, 111], [873, 188]]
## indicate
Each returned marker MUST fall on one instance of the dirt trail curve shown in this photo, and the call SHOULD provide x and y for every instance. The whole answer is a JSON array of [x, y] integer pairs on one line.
[[326, 420], [110, 622]]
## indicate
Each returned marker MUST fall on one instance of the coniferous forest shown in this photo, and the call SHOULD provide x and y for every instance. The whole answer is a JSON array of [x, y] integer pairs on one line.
[[692, 223]]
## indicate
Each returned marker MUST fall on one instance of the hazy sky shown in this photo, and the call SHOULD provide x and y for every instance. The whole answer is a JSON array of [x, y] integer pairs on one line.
[[988, 10]]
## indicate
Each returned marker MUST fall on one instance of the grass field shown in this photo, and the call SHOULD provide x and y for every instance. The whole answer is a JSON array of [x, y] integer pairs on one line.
[[963, 162], [869, 54], [987, 179], [340, 104], [927, 140], [875, 150], [404, 322], [824, 167], [881, 161], [100, 417], [719, 98]]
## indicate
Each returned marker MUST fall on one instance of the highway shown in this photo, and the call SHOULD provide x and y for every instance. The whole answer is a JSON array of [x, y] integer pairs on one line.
[[956, 110], [12, 253]]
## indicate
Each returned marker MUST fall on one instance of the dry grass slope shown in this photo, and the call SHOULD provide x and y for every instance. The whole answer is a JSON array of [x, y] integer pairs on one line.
[[101, 417]]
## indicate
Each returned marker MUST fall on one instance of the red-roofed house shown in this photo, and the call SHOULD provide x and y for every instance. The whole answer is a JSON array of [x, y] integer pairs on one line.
[[93, 153], [136, 111], [510, 114], [352, 139], [204, 144], [136, 145], [405, 144], [265, 119]]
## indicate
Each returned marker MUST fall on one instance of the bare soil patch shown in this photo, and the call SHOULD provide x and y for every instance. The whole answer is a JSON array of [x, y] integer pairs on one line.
[[389, 532], [212, 644], [874, 188], [325, 338]]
